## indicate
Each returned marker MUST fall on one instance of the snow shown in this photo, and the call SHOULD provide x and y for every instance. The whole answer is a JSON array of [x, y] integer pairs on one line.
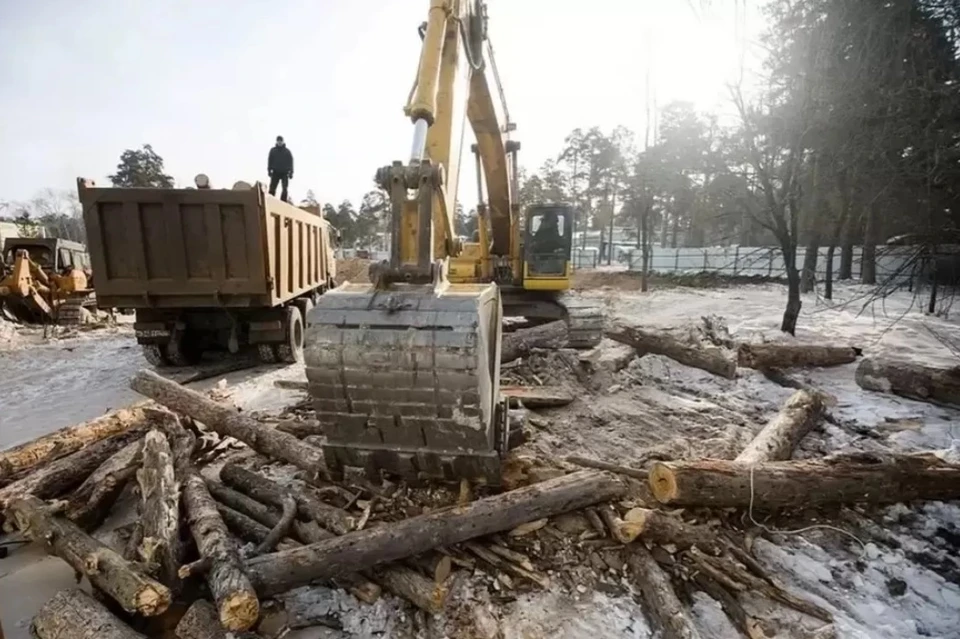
[[904, 581]]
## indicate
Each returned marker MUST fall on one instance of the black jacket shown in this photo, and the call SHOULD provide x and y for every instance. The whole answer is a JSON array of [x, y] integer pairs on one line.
[[280, 161]]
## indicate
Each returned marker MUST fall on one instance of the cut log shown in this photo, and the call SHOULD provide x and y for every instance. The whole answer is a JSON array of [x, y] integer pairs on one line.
[[237, 603], [200, 622], [424, 593], [292, 384], [712, 359], [360, 550], [106, 569], [264, 514], [780, 356], [778, 438], [90, 504], [906, 379], [520, 342], [226, 421], [537, 396], [16, 461], [661, 528], [661, 602], [60, 476], [801, 483], [336, 520], [586, 462], [247, 529], [300, 428], [160, 548], [73, 614]]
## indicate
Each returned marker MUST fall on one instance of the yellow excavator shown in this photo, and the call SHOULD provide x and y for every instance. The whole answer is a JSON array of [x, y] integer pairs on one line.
[[404, 372]]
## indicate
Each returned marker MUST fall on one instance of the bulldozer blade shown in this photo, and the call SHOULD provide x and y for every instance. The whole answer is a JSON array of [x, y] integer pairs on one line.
[[406, 380]]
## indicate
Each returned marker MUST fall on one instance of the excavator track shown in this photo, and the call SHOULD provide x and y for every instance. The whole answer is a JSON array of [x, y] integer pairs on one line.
[[407, 380], [584, 321]]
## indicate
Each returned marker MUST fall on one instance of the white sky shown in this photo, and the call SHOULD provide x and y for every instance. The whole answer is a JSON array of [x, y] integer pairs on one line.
[[210, 84]]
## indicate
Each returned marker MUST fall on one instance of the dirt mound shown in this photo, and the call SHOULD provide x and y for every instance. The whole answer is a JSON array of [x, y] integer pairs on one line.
[[352, 269]]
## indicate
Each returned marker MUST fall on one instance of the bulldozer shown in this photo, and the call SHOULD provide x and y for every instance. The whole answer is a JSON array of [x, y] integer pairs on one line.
[[404, 372], [45, 281]]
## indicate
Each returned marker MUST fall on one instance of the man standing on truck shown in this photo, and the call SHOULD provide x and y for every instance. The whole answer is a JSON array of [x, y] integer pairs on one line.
[[280, 167]]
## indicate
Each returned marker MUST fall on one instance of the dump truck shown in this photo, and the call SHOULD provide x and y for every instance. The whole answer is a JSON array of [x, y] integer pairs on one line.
[[45, 280], [208, 269]]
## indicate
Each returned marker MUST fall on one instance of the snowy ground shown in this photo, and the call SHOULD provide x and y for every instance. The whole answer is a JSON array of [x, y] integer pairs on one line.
[[903, 583]]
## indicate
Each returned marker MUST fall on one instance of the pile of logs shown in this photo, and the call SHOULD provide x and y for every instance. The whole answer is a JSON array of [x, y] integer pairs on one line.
[[209, 546]]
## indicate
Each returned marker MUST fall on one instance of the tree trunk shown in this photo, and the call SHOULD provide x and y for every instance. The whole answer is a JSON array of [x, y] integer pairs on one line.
[[17, 461], [73, 614], [779, 437], [846, 260], [792, 312], [778, 356], [106, 569], [200, 622], [828, 277], [236, 600], [360, 550], [804, 483], [90, 504], [871, 233], [160, 548], [645, 248], [58, 477], [225, 421], [808, 278], [907, 379], [661, 602], [519, 343], [336, 520], [709, 358]]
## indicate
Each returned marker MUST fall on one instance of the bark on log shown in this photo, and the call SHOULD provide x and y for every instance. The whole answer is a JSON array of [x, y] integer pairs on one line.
[[586, 462], [660, 528], [537, 396], [424, 593], [906, 379], [662, 604], [58, 477], [802, 483], [777, 440], [264, 514], [780, 356], [106, 569], [226, 421], [236, 600], [73, 614], [520, 342], [335, 520], [300, 428], [160, 548], [714, 360], [200, 622], [16, 461], [282, 571], [90, 504], [248, 529]]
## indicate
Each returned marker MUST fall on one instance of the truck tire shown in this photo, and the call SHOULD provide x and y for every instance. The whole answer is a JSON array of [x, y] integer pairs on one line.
[[267, 353], [153, 353], [305, 304], [184, 351], [291, 350]]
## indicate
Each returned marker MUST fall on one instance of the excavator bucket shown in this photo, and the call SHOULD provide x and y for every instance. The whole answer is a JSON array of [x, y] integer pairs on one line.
[[406, 380]]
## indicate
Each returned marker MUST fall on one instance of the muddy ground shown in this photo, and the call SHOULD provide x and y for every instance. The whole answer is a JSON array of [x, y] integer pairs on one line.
[[910, 588]]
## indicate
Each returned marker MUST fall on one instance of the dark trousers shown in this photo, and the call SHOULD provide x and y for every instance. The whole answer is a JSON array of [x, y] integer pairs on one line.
[[277, 178]]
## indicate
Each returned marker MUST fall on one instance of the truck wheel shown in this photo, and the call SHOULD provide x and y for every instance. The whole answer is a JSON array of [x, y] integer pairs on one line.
[[154, 355], [185, 351], [305, 304], [267, 353], [291, 350]]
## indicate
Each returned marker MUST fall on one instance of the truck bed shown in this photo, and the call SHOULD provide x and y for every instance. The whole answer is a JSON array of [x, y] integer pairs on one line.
[[201, 248]]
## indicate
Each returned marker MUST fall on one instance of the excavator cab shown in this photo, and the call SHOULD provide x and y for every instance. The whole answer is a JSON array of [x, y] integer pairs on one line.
[[547, 247]]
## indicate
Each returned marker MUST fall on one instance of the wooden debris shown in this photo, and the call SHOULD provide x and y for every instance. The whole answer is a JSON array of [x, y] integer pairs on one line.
[[106, 569], [263, 490], [538, 396], [281, 571], [779, 356], [520, 342], [801, 483], [282, 527], [424, 593], [907, 379], [750, 626], [160, 548], [249, 530], [586, 462], [225, 421], [300, 428], [200, 622], [264, 514], [291, 384], [528, 527], [662, 604], [16, 461], [89, 505], [661, 528], [506, 565], [612, 522], [802, 411], [236, 600], [73, 614], [718, 361]]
